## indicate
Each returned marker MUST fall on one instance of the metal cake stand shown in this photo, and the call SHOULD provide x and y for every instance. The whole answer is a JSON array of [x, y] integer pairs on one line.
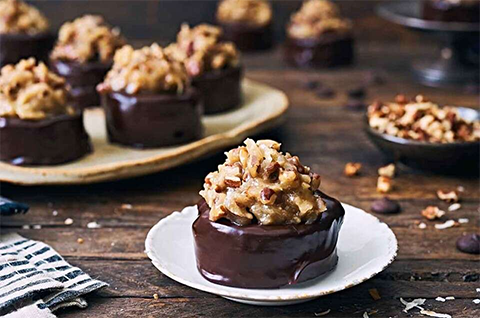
[[458, 59]]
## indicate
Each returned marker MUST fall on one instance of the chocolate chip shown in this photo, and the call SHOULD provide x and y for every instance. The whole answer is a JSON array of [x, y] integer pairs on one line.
[[325, 92], [357, 93], [469, 243], [470, 278], [355, 104], [312, 84], [385, 206]]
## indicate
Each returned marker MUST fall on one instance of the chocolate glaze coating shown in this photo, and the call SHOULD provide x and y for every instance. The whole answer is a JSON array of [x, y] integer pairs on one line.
[[248, 37], [49, 141], [221, 89], [83, 78], [14, 47], [328, 51], [450, 12], [154, 120], [270, 256]]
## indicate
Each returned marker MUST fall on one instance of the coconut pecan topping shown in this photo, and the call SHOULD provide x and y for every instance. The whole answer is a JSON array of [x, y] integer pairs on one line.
[[30, 91], [147, 69], [315, 18], [87, 39], [422, 120], [18, 17], [254, 12], [259, 184], [201, 50]]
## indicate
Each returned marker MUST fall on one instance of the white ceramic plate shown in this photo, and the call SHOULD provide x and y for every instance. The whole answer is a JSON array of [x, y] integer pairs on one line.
[[262, 108], [366, 247]]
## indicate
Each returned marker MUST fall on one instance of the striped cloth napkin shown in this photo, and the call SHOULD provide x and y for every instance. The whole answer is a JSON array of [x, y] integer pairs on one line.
[[35, 280]]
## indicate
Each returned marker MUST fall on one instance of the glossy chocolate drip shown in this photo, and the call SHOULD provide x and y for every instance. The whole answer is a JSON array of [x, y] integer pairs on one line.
[[147, 121], [221, 89], [83, 78], [14, 47], [248, 37], [446, 11], [49, 141], [328, 51], [270, 256]]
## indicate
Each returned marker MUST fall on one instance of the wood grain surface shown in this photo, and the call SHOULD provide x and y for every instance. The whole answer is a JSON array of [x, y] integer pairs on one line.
[[325, 135]]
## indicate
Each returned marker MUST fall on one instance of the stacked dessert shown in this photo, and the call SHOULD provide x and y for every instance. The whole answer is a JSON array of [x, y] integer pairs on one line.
[[83, 55], [37, 124], [247, 23], [213, 66], [23, 32], [318, 36], [263, 223], [148, 100]]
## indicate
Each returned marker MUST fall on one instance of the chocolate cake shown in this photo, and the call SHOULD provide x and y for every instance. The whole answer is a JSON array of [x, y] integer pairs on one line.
[[247, 23], [148, 100], [452, 10], [212, 66], [37, 126], [83, 55], [23, 33], [317, 36], [263, 223]]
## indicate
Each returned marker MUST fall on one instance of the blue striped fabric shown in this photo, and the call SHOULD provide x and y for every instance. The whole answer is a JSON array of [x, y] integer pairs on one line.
[[35, 280]]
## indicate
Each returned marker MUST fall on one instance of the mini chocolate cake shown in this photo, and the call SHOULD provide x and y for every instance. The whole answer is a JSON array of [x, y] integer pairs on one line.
[[48, 141], [83, 56], [23, 33], [318, 37], [148, 101], [212, 65], [263, 222], [37, 127], [247, 23], [452, 10]]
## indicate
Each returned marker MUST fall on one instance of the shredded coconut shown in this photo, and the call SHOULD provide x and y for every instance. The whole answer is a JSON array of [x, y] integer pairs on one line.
[[446, 225]]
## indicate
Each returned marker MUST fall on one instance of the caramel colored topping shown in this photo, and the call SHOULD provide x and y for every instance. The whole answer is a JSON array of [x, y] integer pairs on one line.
[[315, 18], [200, 49], [145, 70], [31, 91], [87, 39], [422, 120], [259, 184], [18, 17], [253, 12]]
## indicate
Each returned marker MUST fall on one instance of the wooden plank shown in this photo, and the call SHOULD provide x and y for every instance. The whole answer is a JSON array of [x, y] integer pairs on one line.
[[217, 307]]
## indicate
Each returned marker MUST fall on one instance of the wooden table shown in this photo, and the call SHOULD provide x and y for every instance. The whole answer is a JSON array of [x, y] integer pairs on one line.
[[325, 136]]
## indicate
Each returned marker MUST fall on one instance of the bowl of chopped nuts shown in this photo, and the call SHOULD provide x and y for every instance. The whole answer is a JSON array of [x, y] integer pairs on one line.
[[424, 135]]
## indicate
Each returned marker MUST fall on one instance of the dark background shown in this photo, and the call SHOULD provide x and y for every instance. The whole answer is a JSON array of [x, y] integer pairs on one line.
[[159, 20]]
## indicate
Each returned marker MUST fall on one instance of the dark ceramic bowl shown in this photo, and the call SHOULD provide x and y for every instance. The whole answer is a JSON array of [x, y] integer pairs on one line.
[[451, 158]]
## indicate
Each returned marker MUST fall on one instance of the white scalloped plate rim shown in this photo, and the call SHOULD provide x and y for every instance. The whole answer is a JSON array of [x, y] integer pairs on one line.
[[253, 296]]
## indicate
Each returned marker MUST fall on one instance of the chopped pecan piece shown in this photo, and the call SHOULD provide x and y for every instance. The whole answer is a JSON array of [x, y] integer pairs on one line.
[[352, 169], [432, 212]]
